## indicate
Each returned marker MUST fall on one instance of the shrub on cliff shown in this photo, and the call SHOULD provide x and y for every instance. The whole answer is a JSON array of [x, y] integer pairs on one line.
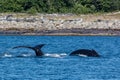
[[59, 6]]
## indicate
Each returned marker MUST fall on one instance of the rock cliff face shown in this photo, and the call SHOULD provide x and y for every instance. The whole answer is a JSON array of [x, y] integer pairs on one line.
[[14, 22]]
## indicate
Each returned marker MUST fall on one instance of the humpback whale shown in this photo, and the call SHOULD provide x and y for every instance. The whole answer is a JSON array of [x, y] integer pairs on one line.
[[36, 48], [85, 52]]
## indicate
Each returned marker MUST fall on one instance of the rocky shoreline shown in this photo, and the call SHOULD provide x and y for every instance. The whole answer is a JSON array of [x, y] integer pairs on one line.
[[74, 31], [60, 24]]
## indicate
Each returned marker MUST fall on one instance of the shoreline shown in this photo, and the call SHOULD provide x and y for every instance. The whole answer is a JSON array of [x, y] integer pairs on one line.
[[60, 24], [67, 32]]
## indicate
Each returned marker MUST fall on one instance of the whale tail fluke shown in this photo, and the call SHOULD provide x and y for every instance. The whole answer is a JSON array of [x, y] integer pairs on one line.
[[23, 47], [36, 48]]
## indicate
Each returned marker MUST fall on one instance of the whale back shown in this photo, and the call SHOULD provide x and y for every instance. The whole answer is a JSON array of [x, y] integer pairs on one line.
[[86, 52], [94, 53]]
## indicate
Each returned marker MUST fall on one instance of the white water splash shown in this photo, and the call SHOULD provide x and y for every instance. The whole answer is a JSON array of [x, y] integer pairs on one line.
[[7, 55], [55, 55], [82, 55], [26, 55]]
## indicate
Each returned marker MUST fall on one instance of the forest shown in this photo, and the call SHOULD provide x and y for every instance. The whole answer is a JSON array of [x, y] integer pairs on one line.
[[59, 6]]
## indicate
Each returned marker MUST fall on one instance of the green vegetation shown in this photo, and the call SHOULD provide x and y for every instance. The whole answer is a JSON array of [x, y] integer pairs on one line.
[[59, 6]]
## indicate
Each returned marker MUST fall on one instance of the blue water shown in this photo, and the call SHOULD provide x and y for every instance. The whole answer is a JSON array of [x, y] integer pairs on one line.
[[60, 66]]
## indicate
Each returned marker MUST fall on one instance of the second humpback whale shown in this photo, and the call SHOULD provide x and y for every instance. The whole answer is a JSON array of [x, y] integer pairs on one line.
[[36, 48], [85, 52]]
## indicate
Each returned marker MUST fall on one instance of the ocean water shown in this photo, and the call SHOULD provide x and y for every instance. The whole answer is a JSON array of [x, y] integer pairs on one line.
[[58, 65]]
